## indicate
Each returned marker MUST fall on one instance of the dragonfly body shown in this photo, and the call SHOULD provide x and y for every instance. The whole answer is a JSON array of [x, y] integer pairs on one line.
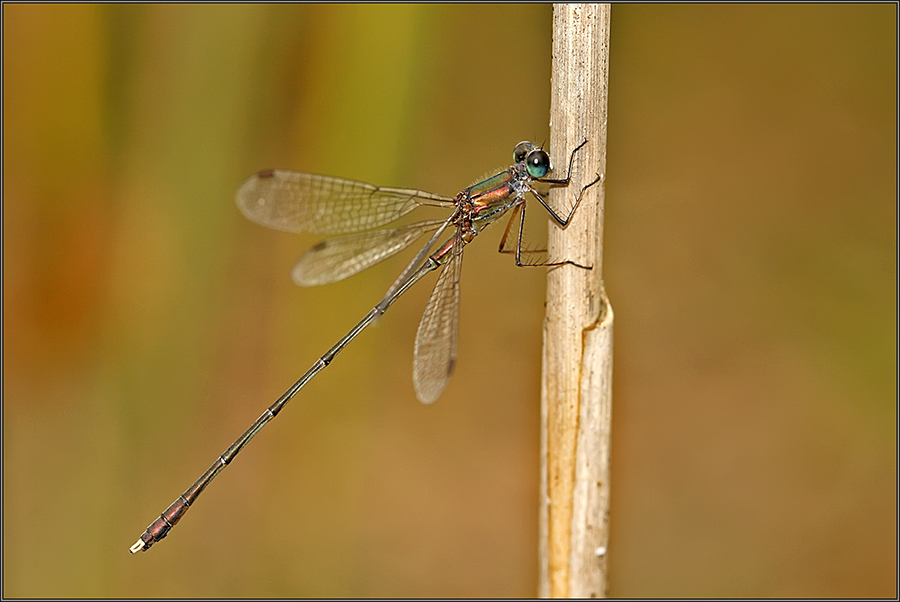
[[354, 214], [481, 204]]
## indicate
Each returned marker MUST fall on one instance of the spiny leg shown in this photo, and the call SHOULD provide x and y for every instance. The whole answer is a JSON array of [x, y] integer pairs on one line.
[[520, 209], [563, 221], [565, 181], [505, 237]]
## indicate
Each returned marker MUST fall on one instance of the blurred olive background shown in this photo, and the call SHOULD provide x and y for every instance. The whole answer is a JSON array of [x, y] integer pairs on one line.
[[750, 256]]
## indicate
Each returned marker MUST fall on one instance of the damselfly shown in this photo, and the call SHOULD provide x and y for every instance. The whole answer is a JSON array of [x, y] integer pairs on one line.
[[353, 212]]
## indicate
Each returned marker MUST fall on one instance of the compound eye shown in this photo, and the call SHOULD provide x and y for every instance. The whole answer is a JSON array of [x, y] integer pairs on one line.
[[537, 162], [521, 150]]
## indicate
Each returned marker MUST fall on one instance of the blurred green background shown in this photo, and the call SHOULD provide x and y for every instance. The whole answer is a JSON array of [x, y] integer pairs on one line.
[[750, 256]]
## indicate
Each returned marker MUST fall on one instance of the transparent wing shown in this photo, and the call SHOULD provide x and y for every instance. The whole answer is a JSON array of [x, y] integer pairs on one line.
[[303, 202], [435, 351], [334, 259]]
